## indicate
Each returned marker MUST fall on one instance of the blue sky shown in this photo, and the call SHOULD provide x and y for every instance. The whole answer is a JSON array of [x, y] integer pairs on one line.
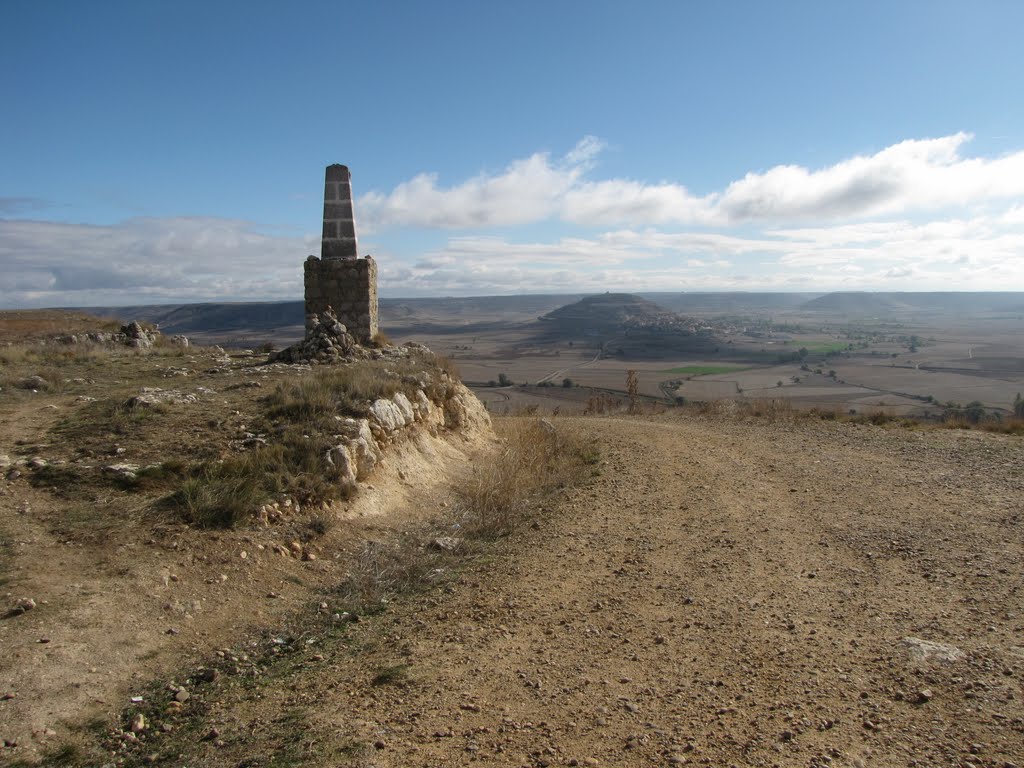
[[174, 151]]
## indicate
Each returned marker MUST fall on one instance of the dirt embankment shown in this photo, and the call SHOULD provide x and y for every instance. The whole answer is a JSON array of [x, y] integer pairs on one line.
[[103, 587], [725, 593]]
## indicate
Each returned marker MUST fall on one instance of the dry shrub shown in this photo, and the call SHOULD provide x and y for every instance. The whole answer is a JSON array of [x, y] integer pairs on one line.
[[717, 407], [602, 402], [784, 410], [382, 569], [448, 366], [537, 459], [773, 410], [1013, 425], [1005, 426]]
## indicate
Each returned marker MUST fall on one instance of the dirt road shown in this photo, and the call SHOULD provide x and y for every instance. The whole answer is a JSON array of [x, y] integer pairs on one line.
[[725, 593]]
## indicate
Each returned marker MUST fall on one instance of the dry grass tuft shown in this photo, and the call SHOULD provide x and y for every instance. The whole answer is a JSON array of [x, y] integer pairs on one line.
[[350, 389], [218, 499], [538, 458], [382, 569], [397, 674], [380, 340], [222, 494]]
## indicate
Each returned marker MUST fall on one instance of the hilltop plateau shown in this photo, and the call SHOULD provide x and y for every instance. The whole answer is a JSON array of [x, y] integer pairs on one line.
[[712, 585]]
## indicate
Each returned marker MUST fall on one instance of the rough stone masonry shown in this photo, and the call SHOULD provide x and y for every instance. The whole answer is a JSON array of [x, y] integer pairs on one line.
[[339, 279]]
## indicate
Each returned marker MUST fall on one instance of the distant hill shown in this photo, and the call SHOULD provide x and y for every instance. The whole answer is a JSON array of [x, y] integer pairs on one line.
[[459, 314], [562, 315], [226, 323], [241, 323], [854, 303], [626, 325], [885, 303], [604, 313]]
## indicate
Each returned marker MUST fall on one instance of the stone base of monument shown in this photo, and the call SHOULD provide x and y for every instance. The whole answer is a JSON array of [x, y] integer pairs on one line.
[[349, 287], [327, 341]]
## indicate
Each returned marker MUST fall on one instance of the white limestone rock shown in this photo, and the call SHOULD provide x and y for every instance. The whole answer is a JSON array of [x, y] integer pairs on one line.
[[388, 415], [344, 465], [423, 405], [403, 404]]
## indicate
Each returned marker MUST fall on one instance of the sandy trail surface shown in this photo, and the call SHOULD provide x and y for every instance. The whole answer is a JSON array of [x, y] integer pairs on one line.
[[725, 593]]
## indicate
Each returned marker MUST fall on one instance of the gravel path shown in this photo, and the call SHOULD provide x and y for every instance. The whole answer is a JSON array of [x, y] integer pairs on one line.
[[726, 593]]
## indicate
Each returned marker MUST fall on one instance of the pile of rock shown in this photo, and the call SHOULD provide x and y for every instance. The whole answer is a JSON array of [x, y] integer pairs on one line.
[[137, 336], [134, 335], [326, 341], [361, 442], [152, 397]]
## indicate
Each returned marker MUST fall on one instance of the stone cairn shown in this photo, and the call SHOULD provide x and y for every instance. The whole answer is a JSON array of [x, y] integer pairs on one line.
[[340, 288], [327, 341]]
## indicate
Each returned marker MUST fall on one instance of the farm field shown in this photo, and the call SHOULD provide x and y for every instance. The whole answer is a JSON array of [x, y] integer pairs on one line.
[[704, 370], [911, 353], [903, 363]]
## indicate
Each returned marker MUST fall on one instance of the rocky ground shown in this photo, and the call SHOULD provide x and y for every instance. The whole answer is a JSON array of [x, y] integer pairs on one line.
[[728, 591], [103, 585], [725, 593]]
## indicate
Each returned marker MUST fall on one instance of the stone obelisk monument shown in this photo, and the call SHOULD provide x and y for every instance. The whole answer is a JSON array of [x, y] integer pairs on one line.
[[339, 278]]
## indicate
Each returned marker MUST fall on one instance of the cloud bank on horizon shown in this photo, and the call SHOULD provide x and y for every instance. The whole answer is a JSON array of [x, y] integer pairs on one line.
[[917, 215]]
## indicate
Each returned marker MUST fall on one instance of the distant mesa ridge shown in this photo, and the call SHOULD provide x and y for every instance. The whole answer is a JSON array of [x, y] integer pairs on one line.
[[863, 302], [605, 312]]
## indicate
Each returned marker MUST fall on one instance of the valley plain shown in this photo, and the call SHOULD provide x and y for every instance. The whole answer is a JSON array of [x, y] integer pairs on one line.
[[902, 354]]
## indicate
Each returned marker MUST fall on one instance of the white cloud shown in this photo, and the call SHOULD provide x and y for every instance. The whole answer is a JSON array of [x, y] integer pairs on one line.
[[585, 151], [913, 175], [147, 260], [971, 254], [631, 202], [527, 190], [914, 216], [924, 174], [1013, 216]]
